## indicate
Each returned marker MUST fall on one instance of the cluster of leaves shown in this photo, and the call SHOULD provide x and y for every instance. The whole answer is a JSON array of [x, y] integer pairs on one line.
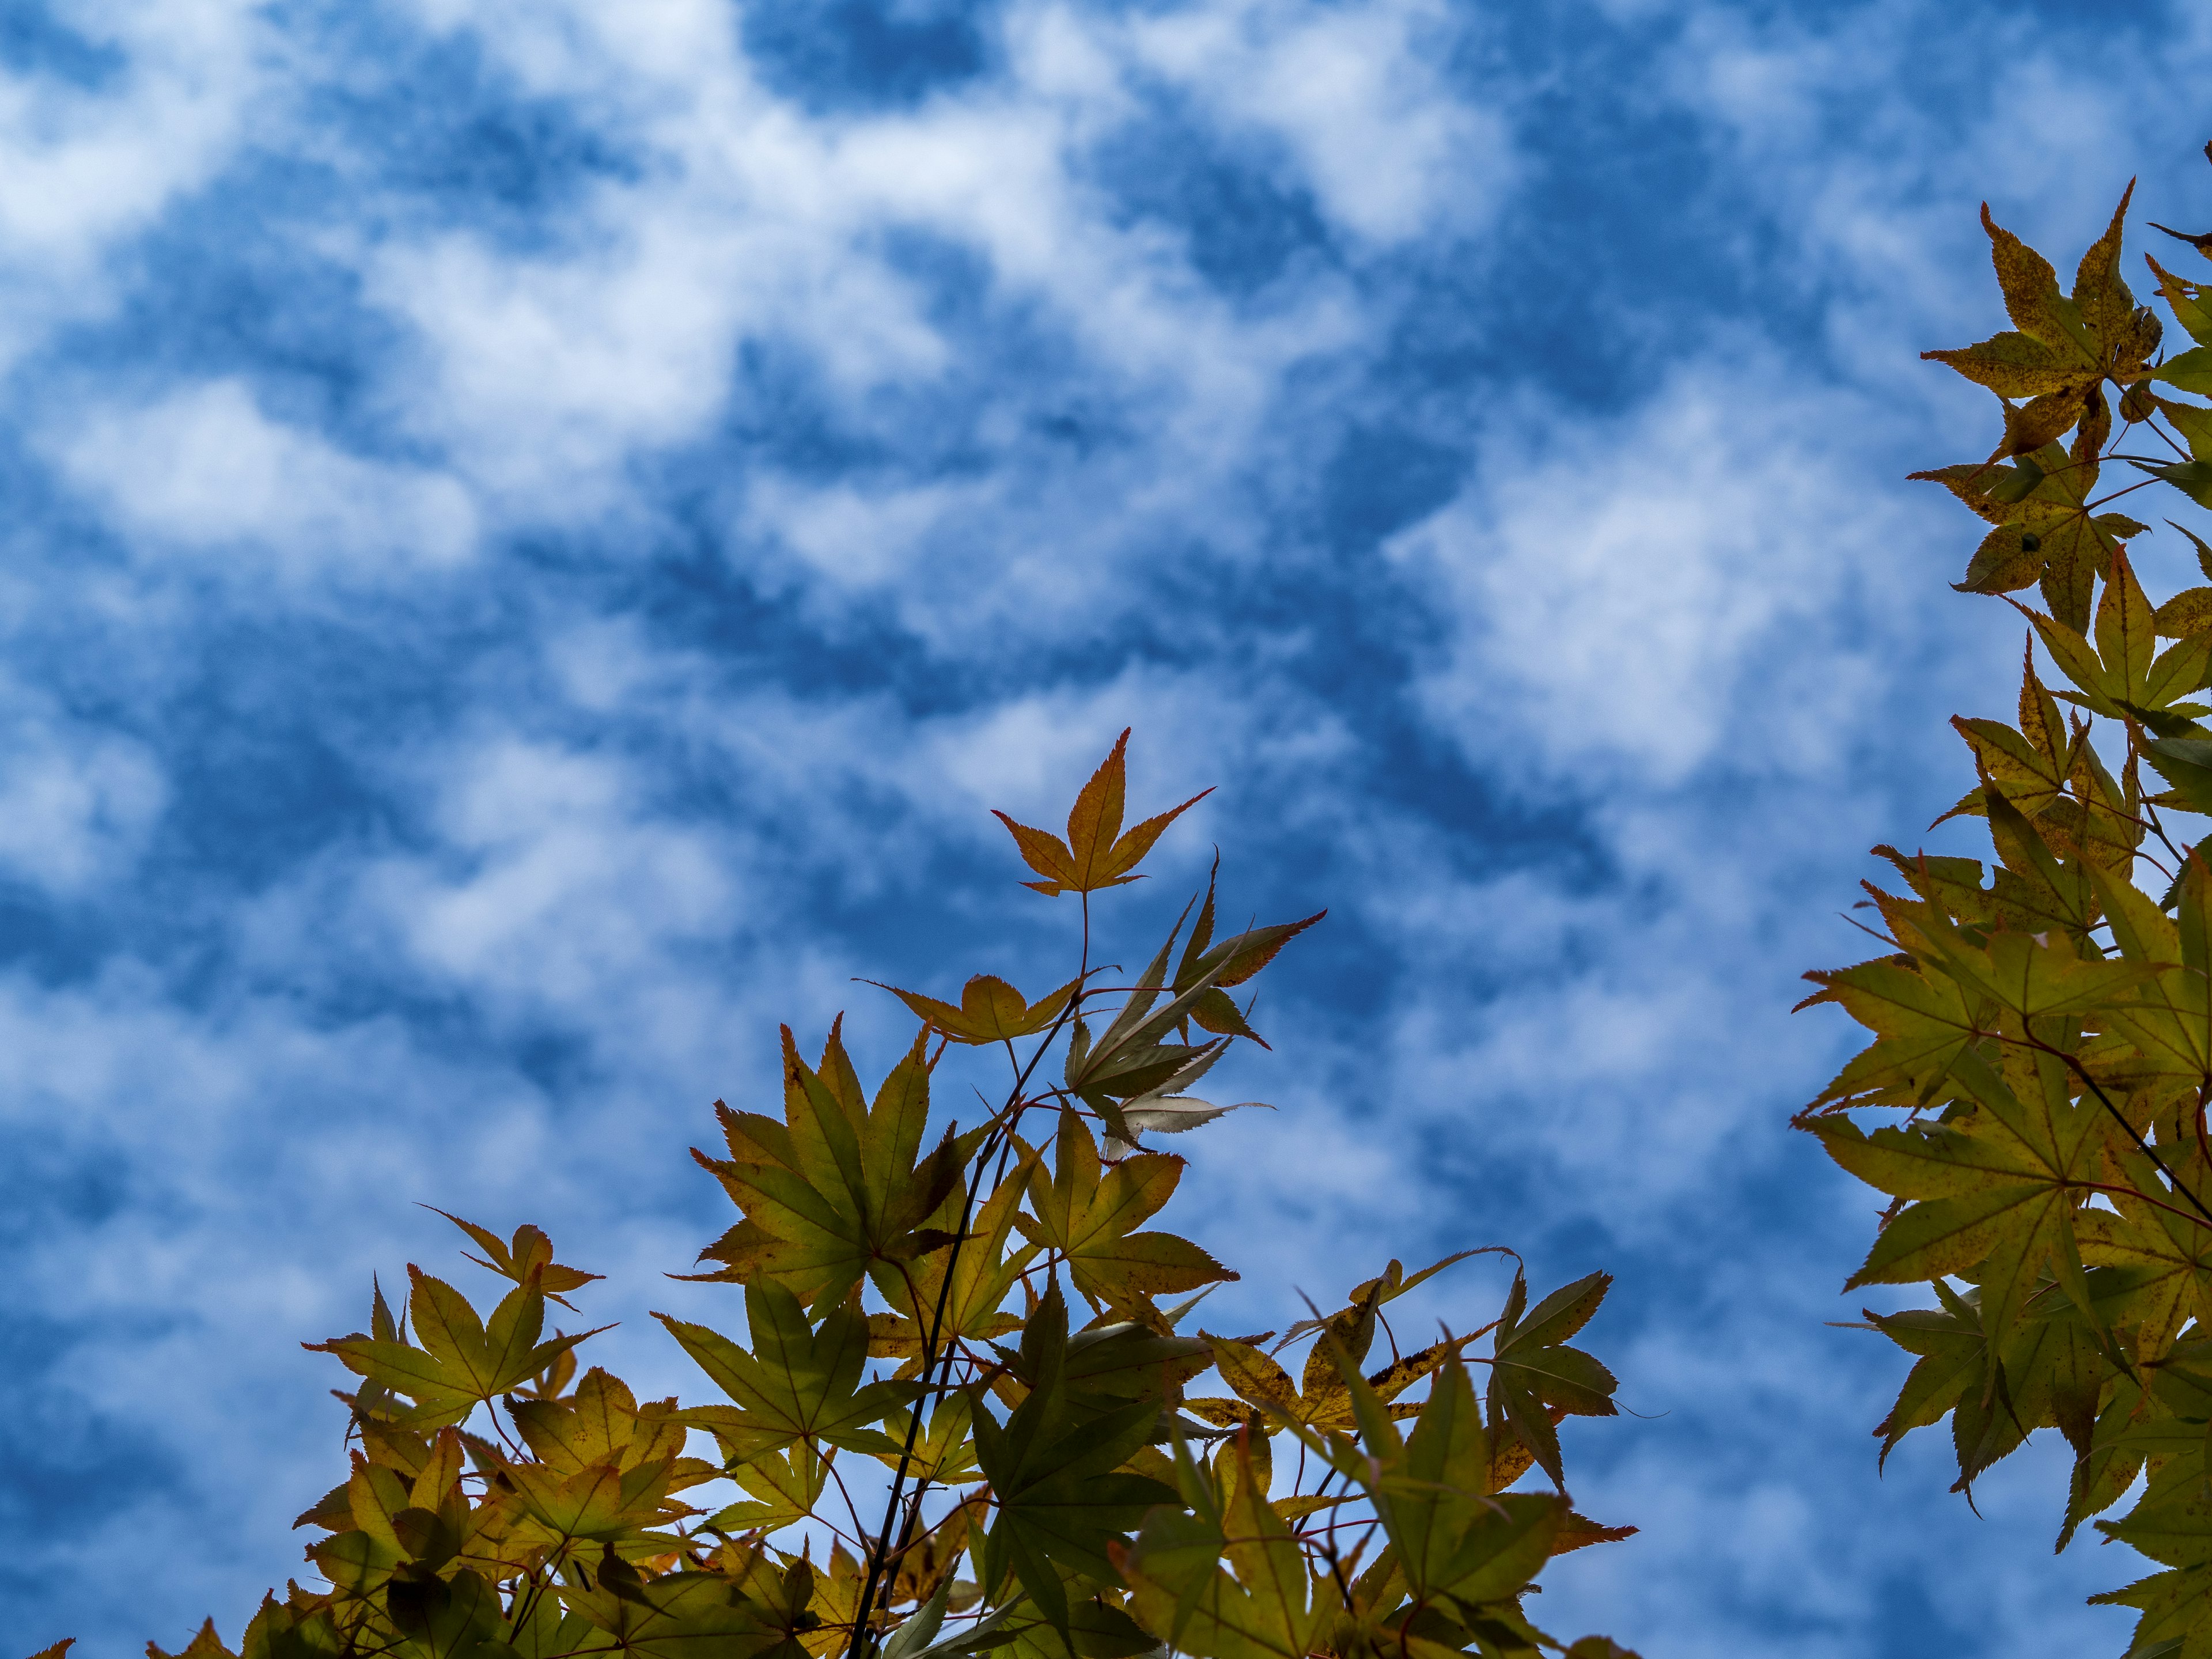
[[2047, 1032], [980, 1333]]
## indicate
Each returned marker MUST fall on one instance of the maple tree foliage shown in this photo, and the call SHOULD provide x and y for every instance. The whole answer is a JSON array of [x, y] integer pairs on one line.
[[962, 1406], [2043, 1025]]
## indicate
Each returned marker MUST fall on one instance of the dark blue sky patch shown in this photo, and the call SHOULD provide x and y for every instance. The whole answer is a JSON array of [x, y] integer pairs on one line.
[[265, 743], [1382, 480], [56, 943], [62, 1465], [33, 41], [429, 130], [223, 288], [868, 54], [1244, 227], [1913, 1620]]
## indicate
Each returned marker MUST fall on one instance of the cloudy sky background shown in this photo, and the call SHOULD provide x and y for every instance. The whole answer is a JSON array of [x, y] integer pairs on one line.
[[537, 529]]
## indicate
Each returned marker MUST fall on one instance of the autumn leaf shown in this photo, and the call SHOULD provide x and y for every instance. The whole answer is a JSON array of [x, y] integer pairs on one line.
[[529, 1252], [837, 1187], [462, 1362], [990, 1011], [1098, 854], [204, 1645], [798, 1383], [1533, 1373], [983, 1273], [1087, 1215]]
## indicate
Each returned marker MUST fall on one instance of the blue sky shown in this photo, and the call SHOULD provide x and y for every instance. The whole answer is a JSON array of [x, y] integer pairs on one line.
[[537, 530]]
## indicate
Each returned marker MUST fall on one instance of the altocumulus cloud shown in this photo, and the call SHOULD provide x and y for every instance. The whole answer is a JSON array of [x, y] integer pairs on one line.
[[537, 530]]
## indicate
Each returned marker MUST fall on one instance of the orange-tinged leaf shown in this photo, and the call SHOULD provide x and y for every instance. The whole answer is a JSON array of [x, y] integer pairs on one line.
[[990, 1011], [530, 1251], [2031, 293], [1044, 852], [1097, 853], [1095, 820]]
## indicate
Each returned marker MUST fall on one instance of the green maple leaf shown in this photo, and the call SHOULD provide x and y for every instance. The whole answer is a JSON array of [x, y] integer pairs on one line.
[[1267, 1603], [1921, 1022], [689, 1615], [2162, 1267], [298, 1628], [1088, 1216], [462, 1362], [2048, 1370], [1534, 1374], [2167, 1014], [2031, 975], [835, 1188], [1451, 1537], [601, 1503], [983, 1274], [1054, 1469], [459, 1618], [781, 1489], [798, 1383], [1993, 1191]]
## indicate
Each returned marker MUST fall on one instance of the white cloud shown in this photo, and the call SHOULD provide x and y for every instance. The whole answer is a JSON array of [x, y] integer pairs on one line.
[[1389, 149], [78, 799], [82, 168], [204, 470], [557, 889], [1642, 593], [748, 220]]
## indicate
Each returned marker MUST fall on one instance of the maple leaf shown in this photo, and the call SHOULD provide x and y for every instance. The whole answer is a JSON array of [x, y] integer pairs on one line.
[[1088, 1217], [600, 1423], [835, 1189], [689, 1615], [462, 1362], [1533, 1373], [1450, 1537], [1321, 1400], [1265, 1604], [1922, 1022], [990, 1011], [798, 1383], [1129, 1062], [529, 1252], [982, 1275], [1993, 1190], [1097, 853], [2045, 529], [602, 1504], [1054, 1469], [206, 1645]]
